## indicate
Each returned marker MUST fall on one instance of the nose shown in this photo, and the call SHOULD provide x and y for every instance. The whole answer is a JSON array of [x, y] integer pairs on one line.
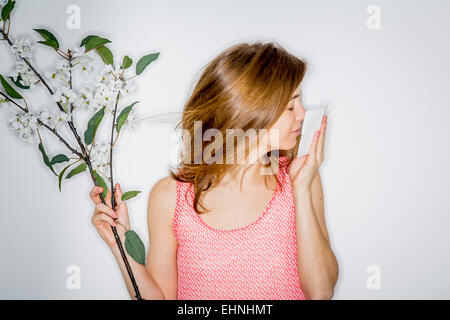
[[300, 113]]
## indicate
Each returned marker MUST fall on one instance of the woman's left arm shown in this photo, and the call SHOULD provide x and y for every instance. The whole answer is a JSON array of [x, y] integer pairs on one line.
[[318, 204], [316, 262]]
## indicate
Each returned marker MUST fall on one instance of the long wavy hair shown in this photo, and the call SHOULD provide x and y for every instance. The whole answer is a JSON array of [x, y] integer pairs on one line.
[[247, 86]]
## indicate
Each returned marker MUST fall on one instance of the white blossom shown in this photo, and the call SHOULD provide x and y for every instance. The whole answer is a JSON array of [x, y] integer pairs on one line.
[[22, 48], [78, 52], [86, 97], [28, 78], [61, 73], [126, 88], [100, 157], [104, 96], [3, 2], [67, 97], [23, 70], [47, 119], [61, 117], [54, 119], [109, 85], [84, 61], [24, 124], [116, 69]]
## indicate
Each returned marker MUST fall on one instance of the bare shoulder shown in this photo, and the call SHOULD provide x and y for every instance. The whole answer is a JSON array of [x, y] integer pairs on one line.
[[162, 198], [165, 187]]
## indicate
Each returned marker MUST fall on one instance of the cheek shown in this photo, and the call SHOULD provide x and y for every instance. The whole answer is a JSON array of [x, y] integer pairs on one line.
[[285, 124], [280, 131]]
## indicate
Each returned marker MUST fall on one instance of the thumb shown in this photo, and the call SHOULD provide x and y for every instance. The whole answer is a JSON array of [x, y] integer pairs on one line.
[[300, 161]]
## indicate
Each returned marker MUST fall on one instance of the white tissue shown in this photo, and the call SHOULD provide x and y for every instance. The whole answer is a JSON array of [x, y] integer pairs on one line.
[[311, 123]]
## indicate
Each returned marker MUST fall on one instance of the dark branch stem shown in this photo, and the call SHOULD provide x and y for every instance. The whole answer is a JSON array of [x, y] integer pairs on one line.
[[113, 200], [10, 100], [70, 81], [62, 140]]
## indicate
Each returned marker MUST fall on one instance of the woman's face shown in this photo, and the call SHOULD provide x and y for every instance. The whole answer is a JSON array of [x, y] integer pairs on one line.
[[289, 124]]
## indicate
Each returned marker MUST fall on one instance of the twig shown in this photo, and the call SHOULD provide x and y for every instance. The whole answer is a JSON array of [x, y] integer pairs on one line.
[[92, 145], [70, 82], [26, 105], [113, 203], [7, 98], [114, 143], [60, 53]]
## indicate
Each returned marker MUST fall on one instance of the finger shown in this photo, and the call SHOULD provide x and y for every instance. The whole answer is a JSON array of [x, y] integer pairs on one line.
[[118, 194], [320, 143], [94, 194], [298, 163], [102, 208], [312, 147], [108, 199], [97, 219]]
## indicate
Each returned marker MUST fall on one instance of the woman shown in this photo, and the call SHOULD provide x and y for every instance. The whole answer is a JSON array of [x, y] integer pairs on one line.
[[243, 245]]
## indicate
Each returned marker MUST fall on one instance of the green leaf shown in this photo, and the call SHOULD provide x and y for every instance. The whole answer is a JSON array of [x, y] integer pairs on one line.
[[129, 194], [61, 174], [85, 40], [95, 42], [9, 90], [101, 183], [17, 82], [6, 11], [50, 43], [105, 54], [123, 116], [77, 170], [49, 37], [93, 123], [135, 247], [145, 61], [59, 158], [45, 157], [127, 62]]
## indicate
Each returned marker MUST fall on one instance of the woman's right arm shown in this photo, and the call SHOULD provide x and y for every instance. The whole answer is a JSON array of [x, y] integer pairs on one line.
[[157, 280]]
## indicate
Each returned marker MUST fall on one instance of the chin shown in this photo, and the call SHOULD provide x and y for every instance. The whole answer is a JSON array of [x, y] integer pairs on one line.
[[288, 146]]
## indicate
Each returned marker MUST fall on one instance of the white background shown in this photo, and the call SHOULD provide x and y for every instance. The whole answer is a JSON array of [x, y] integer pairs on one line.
[[386, 171]]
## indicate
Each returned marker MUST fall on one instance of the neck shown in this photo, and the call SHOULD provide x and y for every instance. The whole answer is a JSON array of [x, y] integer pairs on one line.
[[248, 175]]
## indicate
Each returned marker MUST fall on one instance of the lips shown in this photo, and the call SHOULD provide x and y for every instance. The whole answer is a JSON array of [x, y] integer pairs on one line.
[[298, 130]]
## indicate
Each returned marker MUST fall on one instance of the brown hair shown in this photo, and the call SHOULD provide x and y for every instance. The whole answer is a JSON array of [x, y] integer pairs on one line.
[[246, 86]]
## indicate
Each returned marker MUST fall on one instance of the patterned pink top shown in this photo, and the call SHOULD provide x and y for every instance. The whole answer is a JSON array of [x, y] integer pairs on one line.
[[255, 262]]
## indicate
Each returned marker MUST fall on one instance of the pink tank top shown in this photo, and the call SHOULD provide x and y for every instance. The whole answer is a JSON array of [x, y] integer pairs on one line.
[[255, 262]]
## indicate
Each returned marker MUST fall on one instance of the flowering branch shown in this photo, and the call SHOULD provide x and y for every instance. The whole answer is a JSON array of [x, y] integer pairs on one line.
[[46, 126], [110, 83]]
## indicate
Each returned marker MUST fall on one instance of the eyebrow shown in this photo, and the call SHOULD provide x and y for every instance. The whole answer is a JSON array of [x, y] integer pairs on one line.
[[297, 95]]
